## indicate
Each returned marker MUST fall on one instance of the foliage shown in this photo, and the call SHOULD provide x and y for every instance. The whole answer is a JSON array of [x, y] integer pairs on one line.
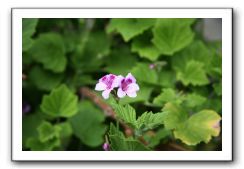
[[120, 143], [147, 120], [89, 120], [60, 103], [49, 50], [28, 27], [172, 35], [179, 74]]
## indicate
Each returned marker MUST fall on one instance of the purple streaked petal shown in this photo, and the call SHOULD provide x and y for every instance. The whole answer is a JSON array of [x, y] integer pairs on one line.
[[100, 86], [103, 79], [121, 93], [130, 76], [110, 81], [111, 77]]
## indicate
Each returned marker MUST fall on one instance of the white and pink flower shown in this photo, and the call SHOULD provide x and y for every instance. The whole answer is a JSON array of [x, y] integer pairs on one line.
[[106, 84], [127, 86]]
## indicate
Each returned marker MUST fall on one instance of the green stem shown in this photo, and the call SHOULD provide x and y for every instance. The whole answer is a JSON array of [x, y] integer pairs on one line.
[[115, 96]]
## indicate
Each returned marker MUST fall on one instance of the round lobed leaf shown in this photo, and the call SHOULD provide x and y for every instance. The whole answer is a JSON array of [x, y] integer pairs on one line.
[[61, 102]]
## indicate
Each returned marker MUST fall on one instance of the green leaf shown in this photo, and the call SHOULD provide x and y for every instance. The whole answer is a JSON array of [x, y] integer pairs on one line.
[[214, 103], [143, 46], [36, 145], [47, 131], [130, 27], [196, 51], [218, 88], [65, 129], [166, 78], [143, 73], [88, 124], [43, 79], [116, 62], [126, 113], [194, 100], [171, 35], [215, 67], [120, 143], [49, 136], [29, 125], [199, 127], [173, 115], [115, 131], [26, 59], [194, 74], [154, 139], [28, 29], [98, 44], [149, 120], [168, 95], [49, 50], [84, 79], [61, 102], [70, 39], [91, 52]]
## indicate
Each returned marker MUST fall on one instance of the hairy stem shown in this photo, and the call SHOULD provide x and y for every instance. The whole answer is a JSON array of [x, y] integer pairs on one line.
[[108, 111]]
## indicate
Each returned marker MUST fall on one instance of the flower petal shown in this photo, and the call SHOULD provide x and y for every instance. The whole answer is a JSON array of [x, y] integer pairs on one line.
[[131, 94], [103, 79], [132, 88], [100, 86], [130, 76], [117, 81], [105, 94], [121, 93]]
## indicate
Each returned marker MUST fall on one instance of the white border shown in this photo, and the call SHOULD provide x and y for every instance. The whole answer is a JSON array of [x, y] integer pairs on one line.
[[19, 155]]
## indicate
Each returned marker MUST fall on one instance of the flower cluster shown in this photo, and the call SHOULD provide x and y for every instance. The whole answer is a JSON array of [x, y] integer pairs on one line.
[[126, 85]]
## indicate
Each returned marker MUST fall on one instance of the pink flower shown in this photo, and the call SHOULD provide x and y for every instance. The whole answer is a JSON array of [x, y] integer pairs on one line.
[[106, 147], [152, 66], [106, 84], [127, 86]]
